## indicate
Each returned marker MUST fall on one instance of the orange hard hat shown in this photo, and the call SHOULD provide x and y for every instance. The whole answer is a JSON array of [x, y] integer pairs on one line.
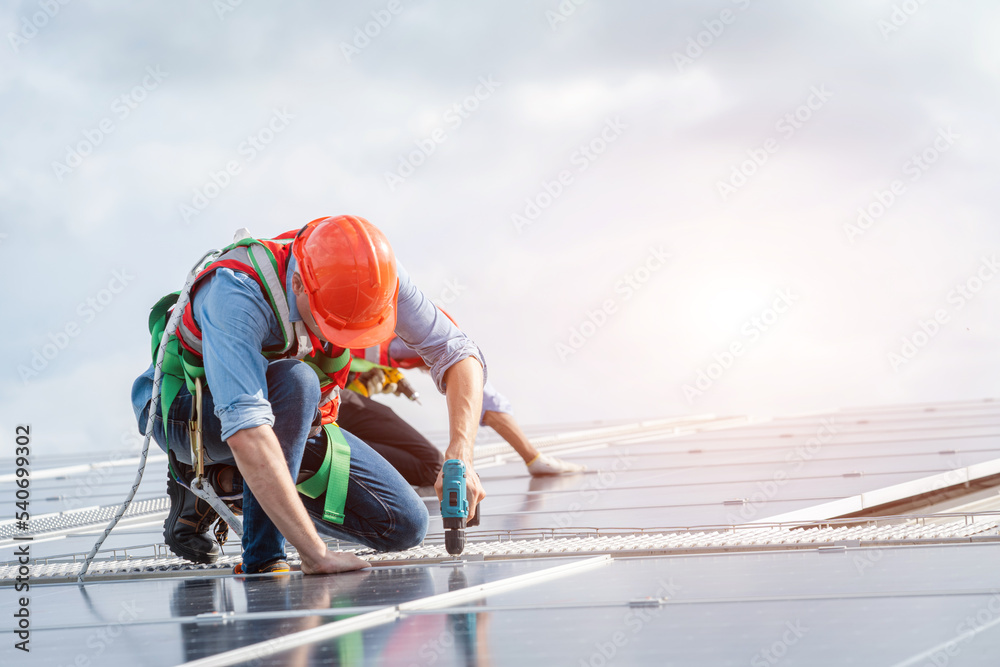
[[350, 278]]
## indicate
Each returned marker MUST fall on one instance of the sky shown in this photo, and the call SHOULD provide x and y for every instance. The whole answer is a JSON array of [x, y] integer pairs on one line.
[[638, 209]]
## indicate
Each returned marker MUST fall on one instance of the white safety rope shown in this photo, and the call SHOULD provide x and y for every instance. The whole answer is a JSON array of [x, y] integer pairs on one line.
[[172, 323]]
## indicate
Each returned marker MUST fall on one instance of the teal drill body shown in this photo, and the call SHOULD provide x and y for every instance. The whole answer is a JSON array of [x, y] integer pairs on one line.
[[454, 506]]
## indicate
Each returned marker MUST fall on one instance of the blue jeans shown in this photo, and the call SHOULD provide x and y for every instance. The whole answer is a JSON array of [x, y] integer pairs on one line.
[[382, 511]]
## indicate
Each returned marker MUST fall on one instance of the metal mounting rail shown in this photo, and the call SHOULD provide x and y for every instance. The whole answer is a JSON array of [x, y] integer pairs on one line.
[[636, 543]]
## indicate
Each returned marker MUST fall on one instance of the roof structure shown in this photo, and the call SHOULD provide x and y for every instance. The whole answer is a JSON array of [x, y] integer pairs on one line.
[[855, 536]]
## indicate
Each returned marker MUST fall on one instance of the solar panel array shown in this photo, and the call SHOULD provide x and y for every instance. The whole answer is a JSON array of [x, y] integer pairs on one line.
[[665, 499]]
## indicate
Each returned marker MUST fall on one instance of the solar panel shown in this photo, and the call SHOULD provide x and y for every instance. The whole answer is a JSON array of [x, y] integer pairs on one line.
[[692, 579]]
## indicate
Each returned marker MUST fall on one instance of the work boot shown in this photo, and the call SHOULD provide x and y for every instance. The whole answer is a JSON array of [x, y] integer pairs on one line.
[[187, 528]]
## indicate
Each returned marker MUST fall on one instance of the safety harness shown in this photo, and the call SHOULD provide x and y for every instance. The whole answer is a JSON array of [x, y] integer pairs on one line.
[[266, 261]]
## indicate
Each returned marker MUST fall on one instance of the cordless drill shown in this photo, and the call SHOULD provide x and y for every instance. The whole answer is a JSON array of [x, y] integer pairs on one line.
[[455, 507], [378, 379], [395, 376]]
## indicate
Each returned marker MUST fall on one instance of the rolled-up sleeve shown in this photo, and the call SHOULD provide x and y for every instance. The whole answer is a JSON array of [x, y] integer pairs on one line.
[[430, 333], [235, 322]]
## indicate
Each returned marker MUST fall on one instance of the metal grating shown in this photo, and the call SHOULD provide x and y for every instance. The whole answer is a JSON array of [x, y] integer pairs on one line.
[[897, 530], [50, 524]]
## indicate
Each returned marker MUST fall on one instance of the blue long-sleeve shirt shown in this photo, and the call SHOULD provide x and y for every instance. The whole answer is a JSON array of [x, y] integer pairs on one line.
[[237, 322]]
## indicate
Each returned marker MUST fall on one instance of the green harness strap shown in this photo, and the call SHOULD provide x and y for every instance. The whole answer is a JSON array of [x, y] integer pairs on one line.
[[325, 366], [363, 365], [332, 476], [173, 377]]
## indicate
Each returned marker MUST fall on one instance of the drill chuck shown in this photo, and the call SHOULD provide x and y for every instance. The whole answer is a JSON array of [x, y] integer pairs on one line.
[[407, 390], [454, 541]]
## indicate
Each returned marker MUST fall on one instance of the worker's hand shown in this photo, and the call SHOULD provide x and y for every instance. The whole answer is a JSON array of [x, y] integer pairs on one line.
[[373, 381], [333, 562], [393, 378], [473, 486]]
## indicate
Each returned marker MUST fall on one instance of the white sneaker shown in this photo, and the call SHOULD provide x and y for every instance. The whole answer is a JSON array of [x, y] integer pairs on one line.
[[550, 465]]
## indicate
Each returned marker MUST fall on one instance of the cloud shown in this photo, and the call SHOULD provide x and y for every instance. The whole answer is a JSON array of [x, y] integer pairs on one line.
[[355, 119]]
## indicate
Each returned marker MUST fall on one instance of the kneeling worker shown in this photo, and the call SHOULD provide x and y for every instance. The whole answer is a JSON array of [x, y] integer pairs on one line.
[[267, 332]]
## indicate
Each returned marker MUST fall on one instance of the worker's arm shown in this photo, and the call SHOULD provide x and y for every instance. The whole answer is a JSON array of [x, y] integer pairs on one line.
[[457, 367], [464, 382], [505, 424], [261, 462]]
